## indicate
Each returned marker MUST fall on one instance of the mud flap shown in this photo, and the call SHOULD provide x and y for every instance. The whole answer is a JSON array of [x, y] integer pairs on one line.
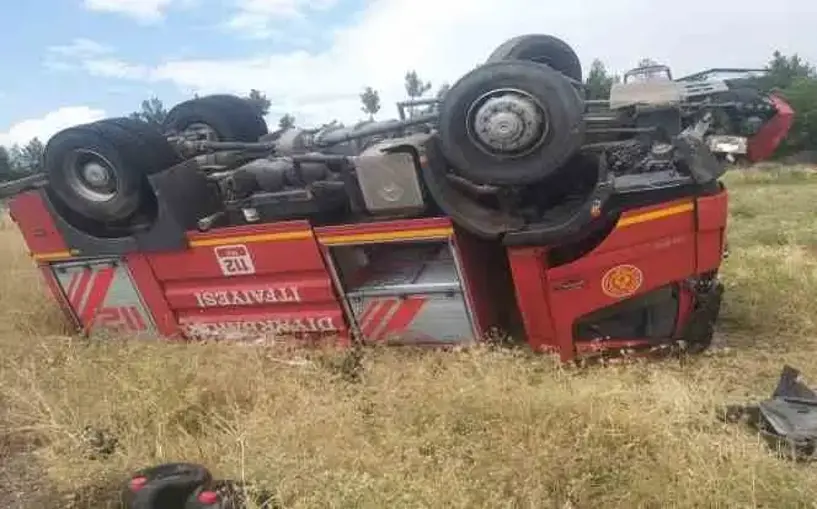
[[481, 221]]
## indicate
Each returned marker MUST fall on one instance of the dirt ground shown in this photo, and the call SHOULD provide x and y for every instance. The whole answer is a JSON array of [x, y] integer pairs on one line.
[[404, 429]]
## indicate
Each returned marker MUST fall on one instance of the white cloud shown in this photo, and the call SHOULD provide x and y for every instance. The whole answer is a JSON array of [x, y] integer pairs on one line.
[[68, 57], [145, 11], [80, 48], [256, 18], [48, 125], [443, 39], [113, 68], [141, 10]]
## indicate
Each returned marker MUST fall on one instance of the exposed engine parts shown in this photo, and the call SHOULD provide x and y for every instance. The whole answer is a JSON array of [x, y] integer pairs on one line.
[[635, 157], [511, 139]]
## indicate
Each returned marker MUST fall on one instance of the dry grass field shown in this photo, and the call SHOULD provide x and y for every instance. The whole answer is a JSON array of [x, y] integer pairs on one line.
[[493, 429]]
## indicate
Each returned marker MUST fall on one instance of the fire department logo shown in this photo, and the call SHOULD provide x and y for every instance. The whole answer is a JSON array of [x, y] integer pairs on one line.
[[622, 281]]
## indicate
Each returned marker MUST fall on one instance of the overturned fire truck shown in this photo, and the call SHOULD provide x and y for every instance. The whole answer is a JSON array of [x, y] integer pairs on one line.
[[509, 206]]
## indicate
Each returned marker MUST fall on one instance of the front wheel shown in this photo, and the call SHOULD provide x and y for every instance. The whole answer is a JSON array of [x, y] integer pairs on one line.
[[511, 122]]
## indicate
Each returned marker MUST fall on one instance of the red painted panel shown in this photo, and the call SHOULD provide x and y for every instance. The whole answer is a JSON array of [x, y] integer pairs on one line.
[[483, 288], [764, 143], [35, 223], [626, 236], [529, 270], [713, 211], [151, 292], [252, 281], [710, 252], [242, 258], [303, 288], [657, 265], [654, 249]]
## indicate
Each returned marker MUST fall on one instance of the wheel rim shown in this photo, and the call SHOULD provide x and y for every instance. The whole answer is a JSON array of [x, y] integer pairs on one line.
[[91, 176], [507, 123], [200, 132]]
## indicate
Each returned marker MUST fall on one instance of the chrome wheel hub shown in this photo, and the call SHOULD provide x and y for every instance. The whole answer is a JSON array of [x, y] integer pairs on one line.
[[507, 122]]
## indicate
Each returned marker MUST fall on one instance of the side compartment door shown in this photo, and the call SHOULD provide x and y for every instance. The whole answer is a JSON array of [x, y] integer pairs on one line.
[[103, 297]]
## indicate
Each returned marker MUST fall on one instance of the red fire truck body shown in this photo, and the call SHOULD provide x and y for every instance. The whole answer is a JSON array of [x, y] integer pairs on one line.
[[514, 205], [416, 281]]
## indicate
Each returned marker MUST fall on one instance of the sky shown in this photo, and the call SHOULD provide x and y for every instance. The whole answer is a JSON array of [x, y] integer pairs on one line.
[[69, 62]]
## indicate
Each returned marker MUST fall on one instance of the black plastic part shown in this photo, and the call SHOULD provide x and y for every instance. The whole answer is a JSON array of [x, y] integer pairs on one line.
[[545, 49], [700, 327], [233, 118], [483, 222], [700, 162], [652, 316], [183, 195], [563, 107], [167, 486], [569, 220], [789, 387], [642, 190]]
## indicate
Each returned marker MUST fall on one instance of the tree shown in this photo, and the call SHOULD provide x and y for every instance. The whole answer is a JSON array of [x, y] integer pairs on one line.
[[784, 71], [598, 82], [802, 96], [286, 121], [28, 158], [6, 168], [371, 102], [796, 80], [15, 157], [32, 157], [415, 88], [259, 101], [152, 112]]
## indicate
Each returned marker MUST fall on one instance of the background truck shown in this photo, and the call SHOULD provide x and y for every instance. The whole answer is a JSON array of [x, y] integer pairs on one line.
[[509, 209]]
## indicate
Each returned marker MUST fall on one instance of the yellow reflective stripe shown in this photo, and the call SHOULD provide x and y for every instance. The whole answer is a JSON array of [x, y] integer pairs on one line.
[[428, 233], [655, 214]]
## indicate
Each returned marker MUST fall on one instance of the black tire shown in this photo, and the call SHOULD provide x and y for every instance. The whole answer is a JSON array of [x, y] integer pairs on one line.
[[544, 49], [563, 108], [152, 143], [115, 150], [231, 117]]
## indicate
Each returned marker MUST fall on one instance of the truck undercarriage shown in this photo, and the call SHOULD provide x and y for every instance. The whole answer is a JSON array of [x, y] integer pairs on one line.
[[514, 204]]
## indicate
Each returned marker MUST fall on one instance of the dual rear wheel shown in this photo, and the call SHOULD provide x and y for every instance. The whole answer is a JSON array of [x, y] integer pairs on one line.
[[99, 170]]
